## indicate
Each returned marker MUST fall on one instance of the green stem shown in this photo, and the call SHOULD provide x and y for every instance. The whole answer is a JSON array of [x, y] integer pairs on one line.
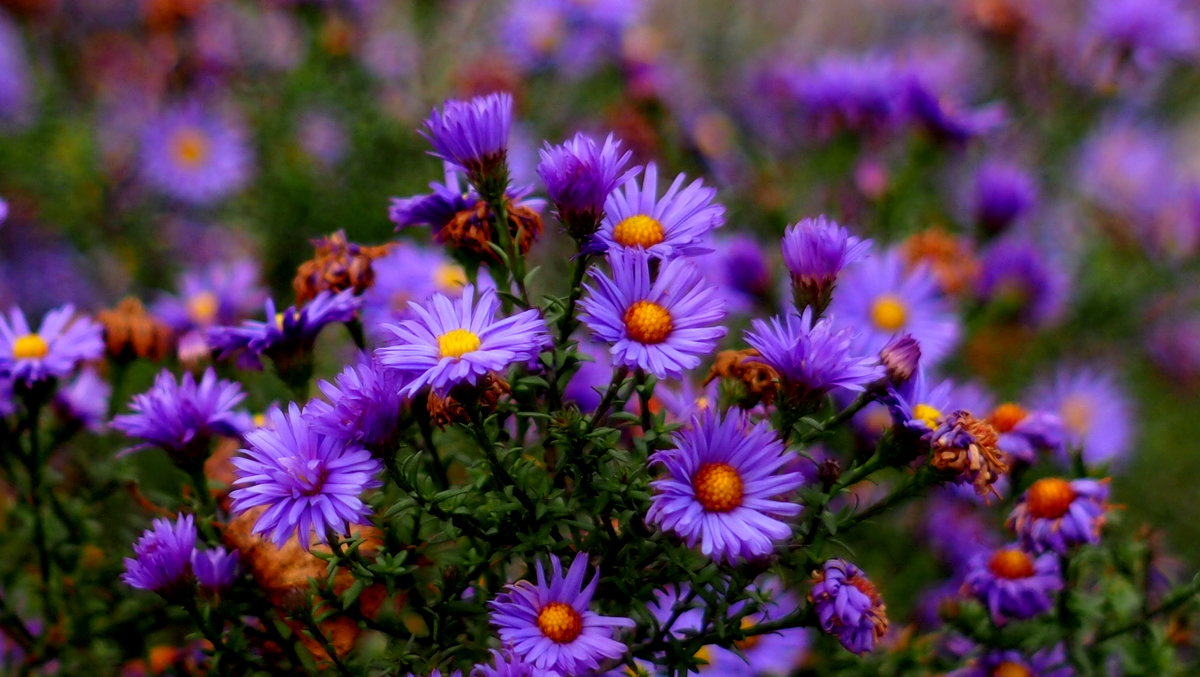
[[498, 469], [34, 464], [1173, 601]]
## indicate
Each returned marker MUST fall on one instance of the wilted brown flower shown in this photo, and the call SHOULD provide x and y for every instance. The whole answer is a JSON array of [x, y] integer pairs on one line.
[[471, 230], [949, 257], [338, 265], [444, 411], [131, 332], [968, 445], [760, 380]]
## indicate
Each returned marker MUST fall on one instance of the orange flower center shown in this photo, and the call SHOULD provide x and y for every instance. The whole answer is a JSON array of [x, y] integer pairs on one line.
[[30, 347], [1011, 563], [638, 231], [718, 487], [1050, 498], [889, 312], [1010, 669], [560, 622], [458, 342], [648, 322], [202, 307], [1076, 412], [1006, 416], [191, 147]]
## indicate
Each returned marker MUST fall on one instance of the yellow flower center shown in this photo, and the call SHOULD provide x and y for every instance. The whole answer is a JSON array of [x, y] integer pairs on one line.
[[191, 147], [30, 347], [889, 313], [458, 342], [1006, 416], [648, 322], [1010, 669], [749, 642], [279, 321], [1050, 498], [704, 654], [260, 420], [1076, 412], [449, 277], [202, 307], [560, 622], [638, 231], [718, 487], [1011, 563], [927, 415]]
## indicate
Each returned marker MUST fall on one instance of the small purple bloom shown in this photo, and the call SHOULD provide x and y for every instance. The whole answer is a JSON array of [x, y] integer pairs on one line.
[[1050, 662], [579, 175], [722, 488], [1001, 196], [1013, 584], [550, 625], [815, 251], [848, 606], [183, 416], [84, 401], [217, 294], [662, 325], [309, 482], [812, 357], [215, 569], [434, 209], [1095, 412], [195, 155], [162, 556], [473, 136], [53, 351], [946, 120], [1146, 33], [452, 341], [504, 664], [677, 224], [284, 335], [863, 94], [1056, 514], [365, 404], [1017, 275]]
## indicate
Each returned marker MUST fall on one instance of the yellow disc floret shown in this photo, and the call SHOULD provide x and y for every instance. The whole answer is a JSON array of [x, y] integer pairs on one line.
[[638, 231], [458, 342], [449, 277], [648, 322], [889, 312], [927, 415], [191, 147], [30, 347], [718, 487], [560, 622], [202, 307]]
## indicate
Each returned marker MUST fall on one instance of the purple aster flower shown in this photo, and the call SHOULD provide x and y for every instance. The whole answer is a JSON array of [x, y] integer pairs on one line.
[[901, 359], [162, 556], [285, 336], [571, 38], [684, 399], [550, 625], [310, 483], [772, 653], [1013, 584], [848, 606], [183, 416], [1002, 195], [579, 175], [1143, 33], [919, 405], [215, 569], [1018, 276], [434, 209], [438, 673], [365, 405], [1056, 514], [862, 94], [1094, 410], [16, 85], [591, 379], [812, 357], [815, 251], [195, 155], [473, 136], [677, 224], [53, 351], [220, 293], [723, 486], [1050, 662], [84, 401], [1023, 433], [661, 325], [452, 341], [410, 272], [322, 137], [879, 297], [504, 664], [946, 120]]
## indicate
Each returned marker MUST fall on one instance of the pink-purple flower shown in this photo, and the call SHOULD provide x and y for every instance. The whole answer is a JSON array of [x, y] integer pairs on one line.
[[53, 351], [1014, 584]]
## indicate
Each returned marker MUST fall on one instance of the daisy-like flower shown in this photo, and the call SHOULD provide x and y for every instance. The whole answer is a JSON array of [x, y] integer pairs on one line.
[[473, 136], [879, 297], [722, 488], [1018, 277], [215, 569], [579, 175], [812, 357], [856, 94], [504, 664], [1144, 33], [434, 209], [1001, 195], [53, 351], [918, 404], [848, 606], [287, 336], [1050, 662], [815, 251], [452, 341], [1093, 409], [410, 272], [84, 401], [162, 556], [677, 224], [183, 416], [364, 406], [195, 155], [309, 482], [1023, 433], [220, 293], [661, 325], [1056, 514], [549, 624], [1013, 584]]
